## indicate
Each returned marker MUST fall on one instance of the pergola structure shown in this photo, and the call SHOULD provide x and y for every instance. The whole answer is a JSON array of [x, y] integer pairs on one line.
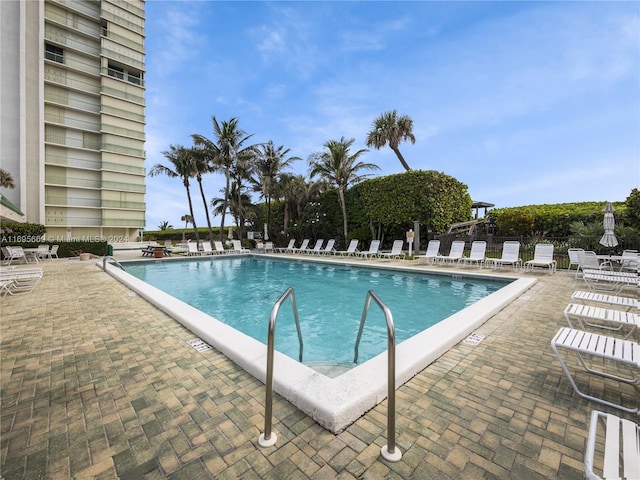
[[478, 205]]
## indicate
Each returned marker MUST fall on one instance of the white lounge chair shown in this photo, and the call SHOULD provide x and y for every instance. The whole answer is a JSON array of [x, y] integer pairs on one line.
[[54, 251], [596, 351], [317, 248], [217, 244], [289, 248], [193, 249], [510, 255], [14, 253], [237, 247], [43, 251], [574, 258], [607, 280], [304, 246], [620, 440], [630, 261], [17, 281], [351, 249], [581, 316], [477, 253], [374, 246], [396, 251], [455, 253], [433, 250], [629, 303], [268, 247], [206, 248], [328, 247], [542, 257], [588, 260]]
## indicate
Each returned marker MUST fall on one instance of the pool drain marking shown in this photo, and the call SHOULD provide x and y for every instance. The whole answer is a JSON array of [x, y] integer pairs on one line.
[[199, 344], [474, 339]]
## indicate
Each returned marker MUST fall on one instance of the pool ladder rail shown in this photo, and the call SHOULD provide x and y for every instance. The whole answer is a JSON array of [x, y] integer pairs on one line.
[[267, 439], [109, 257]]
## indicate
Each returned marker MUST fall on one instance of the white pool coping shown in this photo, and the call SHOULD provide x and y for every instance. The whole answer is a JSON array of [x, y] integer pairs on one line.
[[337, 402]]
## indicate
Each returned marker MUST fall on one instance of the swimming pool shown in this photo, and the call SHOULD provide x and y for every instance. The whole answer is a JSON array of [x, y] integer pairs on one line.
[[240, 291], [333, 402]]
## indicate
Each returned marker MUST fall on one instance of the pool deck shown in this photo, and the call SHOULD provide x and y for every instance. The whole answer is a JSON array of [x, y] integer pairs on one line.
[[97, 383]]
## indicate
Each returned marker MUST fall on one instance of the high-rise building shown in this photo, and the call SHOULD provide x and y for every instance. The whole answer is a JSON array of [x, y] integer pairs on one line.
[[72, 115]]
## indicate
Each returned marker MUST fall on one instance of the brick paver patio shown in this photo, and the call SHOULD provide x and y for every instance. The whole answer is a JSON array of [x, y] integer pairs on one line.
[[97, 383]]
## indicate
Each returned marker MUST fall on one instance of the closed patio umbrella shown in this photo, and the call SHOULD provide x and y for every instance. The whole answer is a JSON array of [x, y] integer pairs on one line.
[[609, 238], [266, 232]]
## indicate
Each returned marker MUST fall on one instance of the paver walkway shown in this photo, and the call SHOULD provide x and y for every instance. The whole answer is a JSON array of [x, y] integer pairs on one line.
[[97, 383]]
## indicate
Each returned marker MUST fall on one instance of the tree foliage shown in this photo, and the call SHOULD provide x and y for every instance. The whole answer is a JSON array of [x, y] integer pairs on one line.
[[430, 197], [632, 213], [553, 220]]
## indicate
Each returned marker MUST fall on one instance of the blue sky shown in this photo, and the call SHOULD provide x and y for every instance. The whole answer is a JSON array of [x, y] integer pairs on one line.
[[525, 102]]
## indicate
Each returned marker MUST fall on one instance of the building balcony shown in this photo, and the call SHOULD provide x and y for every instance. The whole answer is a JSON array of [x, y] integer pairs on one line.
[[134, 152], [72, 122], [123, 132], [64, 201], [121, 113], [123, 187], [51, 159], [61, 77], [71, 102], [87, 9], [60, 180], [123, 22], [120, 93], [117, 167]]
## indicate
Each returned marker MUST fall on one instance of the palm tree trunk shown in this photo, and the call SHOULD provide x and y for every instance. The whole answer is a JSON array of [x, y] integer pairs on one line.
[[343, 206], [193, 218], [286, 216], [206, 211], [401, 158], [226, 203], [268, 214]]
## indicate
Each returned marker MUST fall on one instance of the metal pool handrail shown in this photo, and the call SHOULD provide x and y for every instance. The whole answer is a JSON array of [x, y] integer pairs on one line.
[[268, 438], [104, 262], [389, 452]]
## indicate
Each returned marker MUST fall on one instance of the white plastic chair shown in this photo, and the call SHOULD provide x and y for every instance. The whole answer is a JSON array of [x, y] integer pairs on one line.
[[477, 253], [351, 249], [455, 253], [510, 255], [542, 257], [373, 250], [396, 250], [433, 250]]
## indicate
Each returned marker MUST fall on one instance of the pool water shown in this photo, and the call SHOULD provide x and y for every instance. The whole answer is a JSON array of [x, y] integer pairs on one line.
[[241, 291]]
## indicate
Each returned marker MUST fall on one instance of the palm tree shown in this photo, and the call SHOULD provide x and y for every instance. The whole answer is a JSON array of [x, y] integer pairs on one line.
[[226, 152], [391, 128], [269, 164], [183, 168], [340, 168], [203, 164], [187, 219], [6, 179], [164, 225]]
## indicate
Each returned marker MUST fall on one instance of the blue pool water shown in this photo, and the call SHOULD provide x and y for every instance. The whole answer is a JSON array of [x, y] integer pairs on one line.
[[241, 291]]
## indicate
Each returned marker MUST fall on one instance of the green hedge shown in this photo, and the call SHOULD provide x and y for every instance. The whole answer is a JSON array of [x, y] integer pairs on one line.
[[66, 249]]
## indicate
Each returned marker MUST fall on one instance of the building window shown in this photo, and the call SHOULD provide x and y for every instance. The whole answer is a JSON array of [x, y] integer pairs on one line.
[[116, 72], [53, 53]]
